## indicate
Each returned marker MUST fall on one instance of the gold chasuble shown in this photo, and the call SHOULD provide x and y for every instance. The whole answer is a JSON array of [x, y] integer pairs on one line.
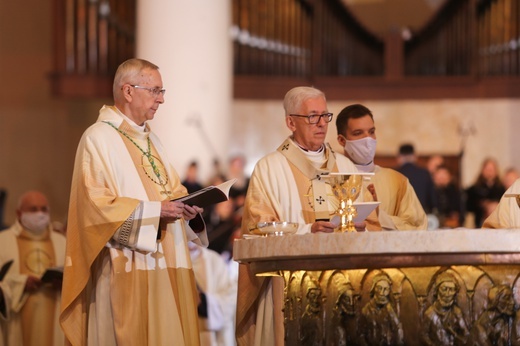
[[118, 288], [285, 186], [36, 254], [315, 194]]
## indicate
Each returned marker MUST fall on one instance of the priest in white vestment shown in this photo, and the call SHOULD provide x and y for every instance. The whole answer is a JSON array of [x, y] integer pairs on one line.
[[215, 284], [400, 209], [507, 213], [286, 185], [31, 305], [128, 278]]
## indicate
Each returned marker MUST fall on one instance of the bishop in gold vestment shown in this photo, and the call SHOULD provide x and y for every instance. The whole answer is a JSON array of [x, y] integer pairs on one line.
[[286, 185], [128, 278]]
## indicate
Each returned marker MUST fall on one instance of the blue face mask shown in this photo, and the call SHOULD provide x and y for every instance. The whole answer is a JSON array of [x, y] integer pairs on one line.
[[361, 151]]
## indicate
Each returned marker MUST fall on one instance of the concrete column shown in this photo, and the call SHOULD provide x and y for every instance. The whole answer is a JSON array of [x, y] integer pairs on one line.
[[189, 40]]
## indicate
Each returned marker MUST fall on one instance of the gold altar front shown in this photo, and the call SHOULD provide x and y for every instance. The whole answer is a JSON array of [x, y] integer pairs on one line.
[[391, 288]]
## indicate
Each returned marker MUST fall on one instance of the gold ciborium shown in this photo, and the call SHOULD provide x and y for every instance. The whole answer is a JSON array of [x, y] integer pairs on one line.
[[346, 187]]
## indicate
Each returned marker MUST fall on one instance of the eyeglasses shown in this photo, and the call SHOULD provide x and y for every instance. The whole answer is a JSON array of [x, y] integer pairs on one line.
[[315, 118], [155, 91]]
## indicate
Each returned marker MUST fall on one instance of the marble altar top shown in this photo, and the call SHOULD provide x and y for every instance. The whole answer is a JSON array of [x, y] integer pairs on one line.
[[382, 247]]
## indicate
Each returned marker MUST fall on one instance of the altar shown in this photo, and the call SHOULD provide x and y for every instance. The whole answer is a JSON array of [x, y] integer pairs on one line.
[[393, 288]]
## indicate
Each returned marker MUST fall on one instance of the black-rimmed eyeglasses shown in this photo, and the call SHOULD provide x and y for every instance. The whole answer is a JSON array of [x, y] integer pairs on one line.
[[315, 118], [155, 91]]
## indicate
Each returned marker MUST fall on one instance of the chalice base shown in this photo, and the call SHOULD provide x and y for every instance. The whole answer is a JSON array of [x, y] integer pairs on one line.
[[346, 216], [348, 227]]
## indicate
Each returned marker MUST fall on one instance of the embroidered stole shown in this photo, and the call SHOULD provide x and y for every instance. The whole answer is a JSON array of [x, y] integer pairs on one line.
[[312, 189], [181, 280]]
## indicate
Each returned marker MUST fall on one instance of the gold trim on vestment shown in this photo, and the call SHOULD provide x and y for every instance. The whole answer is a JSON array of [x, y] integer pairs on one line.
[[315, 206]]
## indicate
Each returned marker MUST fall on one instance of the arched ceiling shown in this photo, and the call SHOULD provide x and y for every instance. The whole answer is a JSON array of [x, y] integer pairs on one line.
[[381, 16]]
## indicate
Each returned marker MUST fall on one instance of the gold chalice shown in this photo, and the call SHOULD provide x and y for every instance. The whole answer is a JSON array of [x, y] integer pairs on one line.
[[346, 187]]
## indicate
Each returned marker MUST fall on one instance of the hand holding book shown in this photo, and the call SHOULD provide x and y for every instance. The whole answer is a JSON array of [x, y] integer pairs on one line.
[[208, 196]]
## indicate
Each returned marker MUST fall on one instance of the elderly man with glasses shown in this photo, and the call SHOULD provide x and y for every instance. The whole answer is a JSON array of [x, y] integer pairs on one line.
[[128, 277], [286, 186]]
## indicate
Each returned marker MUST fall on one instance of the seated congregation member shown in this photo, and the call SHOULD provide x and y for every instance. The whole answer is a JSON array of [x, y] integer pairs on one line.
[[32, 305], [400, 208], [286, 186], [507, 212]]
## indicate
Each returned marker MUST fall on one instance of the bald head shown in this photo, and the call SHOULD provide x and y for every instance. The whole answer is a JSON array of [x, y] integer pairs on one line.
[[31, 202]]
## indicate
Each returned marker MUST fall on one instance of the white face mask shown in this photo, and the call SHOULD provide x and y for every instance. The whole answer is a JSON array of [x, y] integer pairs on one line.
[[35, 222], [361, 151]]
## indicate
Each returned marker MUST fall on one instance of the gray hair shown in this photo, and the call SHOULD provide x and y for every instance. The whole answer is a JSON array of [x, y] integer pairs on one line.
[[295, 97], [128, 70]]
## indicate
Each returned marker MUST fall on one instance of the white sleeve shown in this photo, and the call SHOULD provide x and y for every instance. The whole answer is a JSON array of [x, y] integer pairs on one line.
[[221, 296], [139, 231], [13, 288]]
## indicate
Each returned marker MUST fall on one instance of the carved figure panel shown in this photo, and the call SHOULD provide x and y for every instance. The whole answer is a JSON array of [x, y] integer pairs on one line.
[[457, 305]]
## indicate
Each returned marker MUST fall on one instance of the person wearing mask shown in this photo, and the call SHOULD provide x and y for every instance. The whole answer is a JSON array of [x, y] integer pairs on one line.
[[420, 178], [286, 186], [399, 209], [128, 279], [33, 304]]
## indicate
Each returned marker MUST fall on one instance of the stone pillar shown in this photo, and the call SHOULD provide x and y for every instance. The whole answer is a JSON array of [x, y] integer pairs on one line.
[[189, 41]]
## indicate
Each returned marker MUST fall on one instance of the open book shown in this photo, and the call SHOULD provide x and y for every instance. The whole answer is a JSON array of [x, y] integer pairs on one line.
[[209, 195], [364, 209]]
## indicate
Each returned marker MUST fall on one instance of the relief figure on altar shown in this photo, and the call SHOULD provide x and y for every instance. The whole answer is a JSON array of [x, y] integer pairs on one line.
[[343, 327], [311, 330], [379, 323], [492, 327], [443, 322]]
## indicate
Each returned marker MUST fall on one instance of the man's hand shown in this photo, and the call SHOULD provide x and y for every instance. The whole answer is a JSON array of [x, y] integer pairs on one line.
[[360, 226], [328, 227], [171, 210], [322, 226], [372, 189], [32, 284], [190, 212]]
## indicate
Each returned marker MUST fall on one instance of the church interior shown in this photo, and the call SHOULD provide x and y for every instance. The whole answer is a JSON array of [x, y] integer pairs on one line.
[[441, 74]]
